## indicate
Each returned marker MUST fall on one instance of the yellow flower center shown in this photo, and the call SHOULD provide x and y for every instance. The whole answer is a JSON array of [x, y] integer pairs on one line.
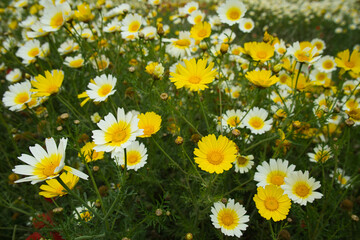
[[76, 63], [352, 104], [202, 33], [134, 26], [57, 20], [271, 203], [52, 89], [148, 130], [34, 52], [233, 14], [349, 64], [198, 19], [341, 179], [104, 90], [117, 134], [86, 216], [319, 45], [182, 43], [241, 161], [261, 54], [277, 180], [248, 26], [215, 157], [194, 79], [227, 219], [328, 64], [302, 190], [302, 56], [47, 166], [322, 156], [256, 122], [320, 76], [233, 121], [133, 157], [102, 64], [191, 9], [22, 98], [281, 50]]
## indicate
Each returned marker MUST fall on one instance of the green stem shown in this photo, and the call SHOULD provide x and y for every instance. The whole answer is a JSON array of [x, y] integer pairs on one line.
[[203, 111], [91, 237], [271, 230], [197, 171]]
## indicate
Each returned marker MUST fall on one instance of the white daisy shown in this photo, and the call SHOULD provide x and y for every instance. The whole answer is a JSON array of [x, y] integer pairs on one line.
[[321, 154], [273, 173], [231, 219], [74, 62], [246, 25], [130, 26], [227, 36], [113, 26], [45, 164], [319, 44], [136, 156], [300, 188], [350, 103], [195, 17], [231, 11], [68, 46], [149, 32], [232, 119], [101, 87], [54, 16], [180, 47], [255, 121], [17, 96], [115, 134], [14, 75], [243, 163], [190, 7], [326, 64], [29, 51], [340, 177]]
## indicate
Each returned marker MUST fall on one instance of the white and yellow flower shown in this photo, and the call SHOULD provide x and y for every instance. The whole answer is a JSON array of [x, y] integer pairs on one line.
[[326, 64], [180, 47], [17, 96], [246, 25], [273, 173], [231, 219], [322, 153], [243, 163], [231, 12], [300, 188], [74, 62], [116, 133], [101, 87], [45, 164], [255, 120], [14, 75], [130, 26], [232, 119], [136, 156]]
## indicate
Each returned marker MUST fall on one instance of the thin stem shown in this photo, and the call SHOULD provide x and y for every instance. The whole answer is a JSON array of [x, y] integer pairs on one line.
[[271, 230], [203, 111], [197, 171]]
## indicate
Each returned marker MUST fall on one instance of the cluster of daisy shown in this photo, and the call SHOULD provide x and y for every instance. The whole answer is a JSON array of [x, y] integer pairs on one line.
[[269, 92]]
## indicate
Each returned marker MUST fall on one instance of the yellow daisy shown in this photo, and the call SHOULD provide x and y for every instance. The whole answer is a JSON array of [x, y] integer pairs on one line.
[[349, 62], [200, 31], [89, 153], [259, 51], [55, 189], [83, 13], [215, 155], [150, 122], [48, 84], [272, 202], [194, 76], [262, 78]]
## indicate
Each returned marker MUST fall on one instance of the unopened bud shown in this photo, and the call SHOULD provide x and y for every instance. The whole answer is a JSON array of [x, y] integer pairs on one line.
[[349, 122], [96, 168], [76, 121], [158, 212], [224, 200], [164, 96], [224, 48], [131, 69], [168, 213], [141, 35], [64, 116], [236, 132], [59, 128], [57, 210], [277, 68], [355, 218], [189, 236]]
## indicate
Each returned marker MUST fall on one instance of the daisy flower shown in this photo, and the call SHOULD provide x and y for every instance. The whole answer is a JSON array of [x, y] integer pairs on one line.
[[14, 75], [180, 47], [68, 46], [83, 213], [349, 62], [340, 177], [47, 85], [190, 7], [259, 51], [101, 87], [194, 75], [54, 16], [100, 62], [29, 51], [17, 96], [243, 163], [215, 155], [83, 13], [326, 64], [149, 32], [300, 188], [88, 152], [200, 31], [304, 52], [115, 134], [45, 164], [226, 36], [196, 17], [232, 119], [74, 62], [321, 154], [231, 219], [118, 10], [246, 25], [272, 202], [136, 156], [280, 47], [261, 78], [150, 123], [319, 44], [255, 121], [53, 188], [231, 12], [273, 173], [130, 26]]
